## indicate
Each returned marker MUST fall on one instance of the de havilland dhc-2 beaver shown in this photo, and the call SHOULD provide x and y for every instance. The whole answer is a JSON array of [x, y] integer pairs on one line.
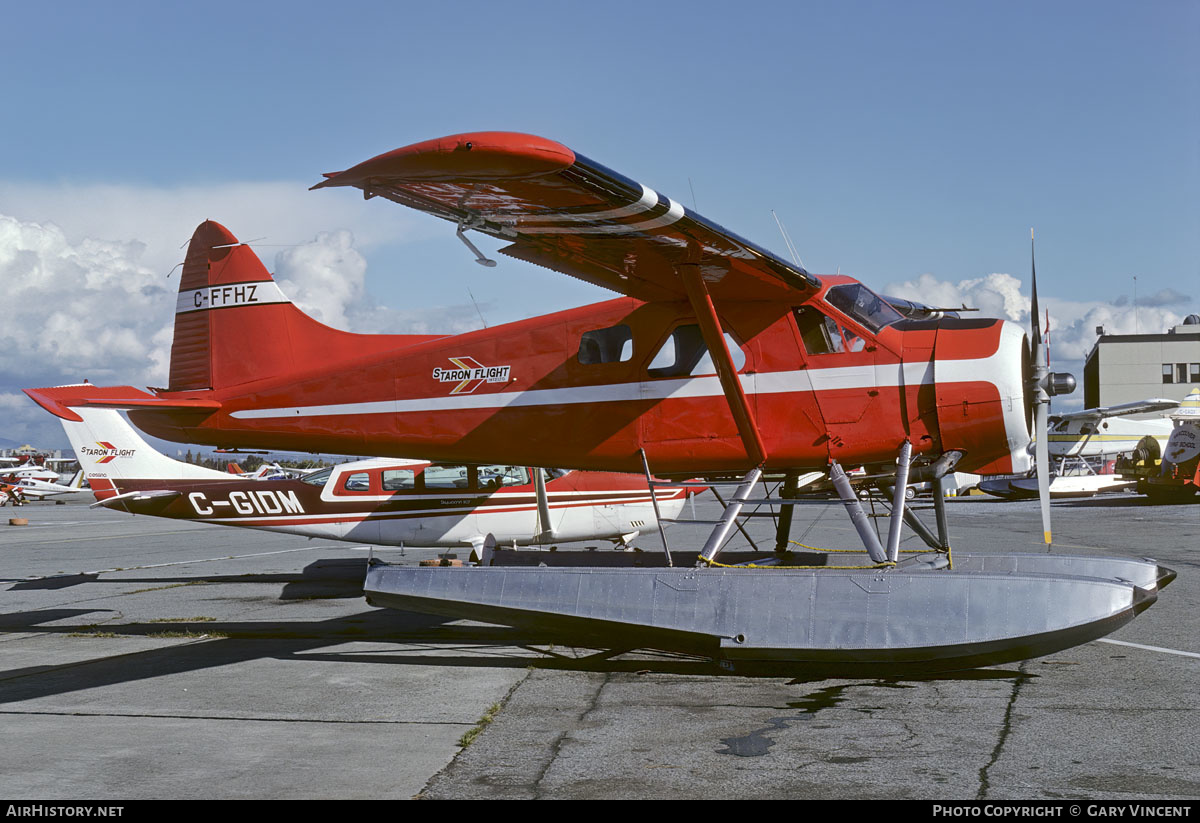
[[383, 501], [718, 360]]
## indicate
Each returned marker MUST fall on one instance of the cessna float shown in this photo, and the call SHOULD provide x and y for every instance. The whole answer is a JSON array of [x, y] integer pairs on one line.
[[718, 359], [383, 501]]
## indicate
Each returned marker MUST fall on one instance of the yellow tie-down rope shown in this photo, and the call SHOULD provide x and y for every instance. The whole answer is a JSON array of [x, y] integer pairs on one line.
[[884, 565]]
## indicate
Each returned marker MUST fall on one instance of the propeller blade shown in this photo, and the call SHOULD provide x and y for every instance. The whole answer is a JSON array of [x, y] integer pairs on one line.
[[1041, 399], [1033, 309], [1042, 456]]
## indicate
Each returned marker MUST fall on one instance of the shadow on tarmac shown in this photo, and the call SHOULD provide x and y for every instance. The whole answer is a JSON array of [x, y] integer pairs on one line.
[[439, 641]]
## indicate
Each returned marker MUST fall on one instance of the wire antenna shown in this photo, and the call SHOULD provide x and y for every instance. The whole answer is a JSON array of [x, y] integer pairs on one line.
[[792, 249], [476, 305]]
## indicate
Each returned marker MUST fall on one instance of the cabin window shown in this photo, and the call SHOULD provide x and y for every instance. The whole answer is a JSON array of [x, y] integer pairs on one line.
[[399, 480], [685, 354], [857, 301], [611, 345], [358, 482], [447, 477], [553, 474], [820, 333], [496, 477]]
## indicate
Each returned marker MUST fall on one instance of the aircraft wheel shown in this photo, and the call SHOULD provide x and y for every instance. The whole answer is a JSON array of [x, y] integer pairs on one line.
[[910, 493]]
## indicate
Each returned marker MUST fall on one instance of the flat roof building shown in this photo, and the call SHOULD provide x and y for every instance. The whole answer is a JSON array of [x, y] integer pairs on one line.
[[1122, 368]]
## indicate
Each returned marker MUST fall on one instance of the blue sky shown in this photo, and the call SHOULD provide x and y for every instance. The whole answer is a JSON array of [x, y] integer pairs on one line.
[[894, 140]]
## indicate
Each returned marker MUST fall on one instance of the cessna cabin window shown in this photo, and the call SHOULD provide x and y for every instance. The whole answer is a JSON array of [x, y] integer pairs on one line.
[[358, 482], [399, 480], [611, 345], [685, 354], [447, 477], [495, 477], [864, 305]]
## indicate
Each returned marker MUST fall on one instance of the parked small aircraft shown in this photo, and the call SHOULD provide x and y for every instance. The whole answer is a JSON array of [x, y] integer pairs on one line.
[[42, 490], [32, 471], [385, 501], [1078, 439]]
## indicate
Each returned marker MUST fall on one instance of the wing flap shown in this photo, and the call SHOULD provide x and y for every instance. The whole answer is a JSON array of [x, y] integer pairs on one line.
[[563, 211]]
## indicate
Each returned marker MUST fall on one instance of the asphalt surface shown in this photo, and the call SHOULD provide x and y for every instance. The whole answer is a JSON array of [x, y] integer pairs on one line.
[[142, 658]]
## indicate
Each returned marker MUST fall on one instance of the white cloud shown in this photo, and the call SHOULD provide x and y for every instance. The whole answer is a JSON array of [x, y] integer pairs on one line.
[[95, 309], [162, 218], [1072, 322]]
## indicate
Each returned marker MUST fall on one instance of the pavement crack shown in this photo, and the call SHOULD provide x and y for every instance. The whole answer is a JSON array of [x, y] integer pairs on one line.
[[1005, 730], [556, 747]]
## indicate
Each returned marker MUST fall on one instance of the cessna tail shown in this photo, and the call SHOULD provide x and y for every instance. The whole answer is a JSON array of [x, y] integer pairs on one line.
[[382, 501]]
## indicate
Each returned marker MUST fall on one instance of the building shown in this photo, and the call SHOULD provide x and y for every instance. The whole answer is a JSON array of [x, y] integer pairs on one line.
[[1122, 368]]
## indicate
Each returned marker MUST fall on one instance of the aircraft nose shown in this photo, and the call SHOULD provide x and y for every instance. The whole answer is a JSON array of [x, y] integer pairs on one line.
[[981, 371]]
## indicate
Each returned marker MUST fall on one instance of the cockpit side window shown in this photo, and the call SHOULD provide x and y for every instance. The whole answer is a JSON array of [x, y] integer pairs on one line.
[[864, 305], [611, 345], [820, 333]]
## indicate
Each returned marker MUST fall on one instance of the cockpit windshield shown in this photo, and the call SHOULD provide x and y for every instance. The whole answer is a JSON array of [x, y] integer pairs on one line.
[[864, 305], [317, 478]]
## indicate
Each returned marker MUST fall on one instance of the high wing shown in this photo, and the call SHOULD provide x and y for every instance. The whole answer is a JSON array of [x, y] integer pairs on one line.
[[1120, 410], [570, 214]]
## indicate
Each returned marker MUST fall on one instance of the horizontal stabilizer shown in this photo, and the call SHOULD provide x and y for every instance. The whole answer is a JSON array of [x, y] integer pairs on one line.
[[118, 501], [58, 400]]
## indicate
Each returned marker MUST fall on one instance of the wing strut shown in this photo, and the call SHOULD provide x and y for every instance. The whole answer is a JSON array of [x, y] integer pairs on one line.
[[714, 338]]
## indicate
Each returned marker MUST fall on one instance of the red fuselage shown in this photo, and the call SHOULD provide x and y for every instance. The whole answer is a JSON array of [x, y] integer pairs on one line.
[[591, 386]]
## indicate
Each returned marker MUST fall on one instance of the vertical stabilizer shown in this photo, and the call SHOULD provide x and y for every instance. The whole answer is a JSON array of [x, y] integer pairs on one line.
[[234, 325], [109, 449]]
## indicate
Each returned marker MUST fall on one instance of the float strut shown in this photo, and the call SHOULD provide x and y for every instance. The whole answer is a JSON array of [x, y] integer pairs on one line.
[[894, 527], [858, 517]]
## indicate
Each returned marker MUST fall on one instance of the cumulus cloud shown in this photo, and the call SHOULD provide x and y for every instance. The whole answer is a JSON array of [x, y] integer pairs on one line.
[[95, 309], [162, 218], [1072, 323]]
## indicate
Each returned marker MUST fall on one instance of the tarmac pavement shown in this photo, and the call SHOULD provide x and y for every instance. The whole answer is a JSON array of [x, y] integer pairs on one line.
[[143, 658]]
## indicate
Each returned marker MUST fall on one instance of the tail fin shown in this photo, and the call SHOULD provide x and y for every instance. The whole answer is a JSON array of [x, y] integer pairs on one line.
[[109, 449], [233, 468], [233, 325]]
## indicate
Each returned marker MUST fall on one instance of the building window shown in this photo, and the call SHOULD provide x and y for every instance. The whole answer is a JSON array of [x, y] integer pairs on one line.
[[1181, 373], [1194, 373], [1168, 373]]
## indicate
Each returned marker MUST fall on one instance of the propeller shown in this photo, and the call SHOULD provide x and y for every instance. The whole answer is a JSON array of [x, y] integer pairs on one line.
[[1044, 384]]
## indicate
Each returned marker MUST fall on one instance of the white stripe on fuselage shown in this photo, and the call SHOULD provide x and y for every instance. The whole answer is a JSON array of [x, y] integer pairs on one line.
[[800, 380]]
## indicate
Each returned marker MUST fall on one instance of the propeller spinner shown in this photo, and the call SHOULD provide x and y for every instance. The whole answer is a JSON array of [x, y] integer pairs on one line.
[[1043, 384]]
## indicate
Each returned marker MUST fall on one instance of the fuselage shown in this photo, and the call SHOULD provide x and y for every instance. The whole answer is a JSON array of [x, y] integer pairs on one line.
[[834, 377], [1111, 436]]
